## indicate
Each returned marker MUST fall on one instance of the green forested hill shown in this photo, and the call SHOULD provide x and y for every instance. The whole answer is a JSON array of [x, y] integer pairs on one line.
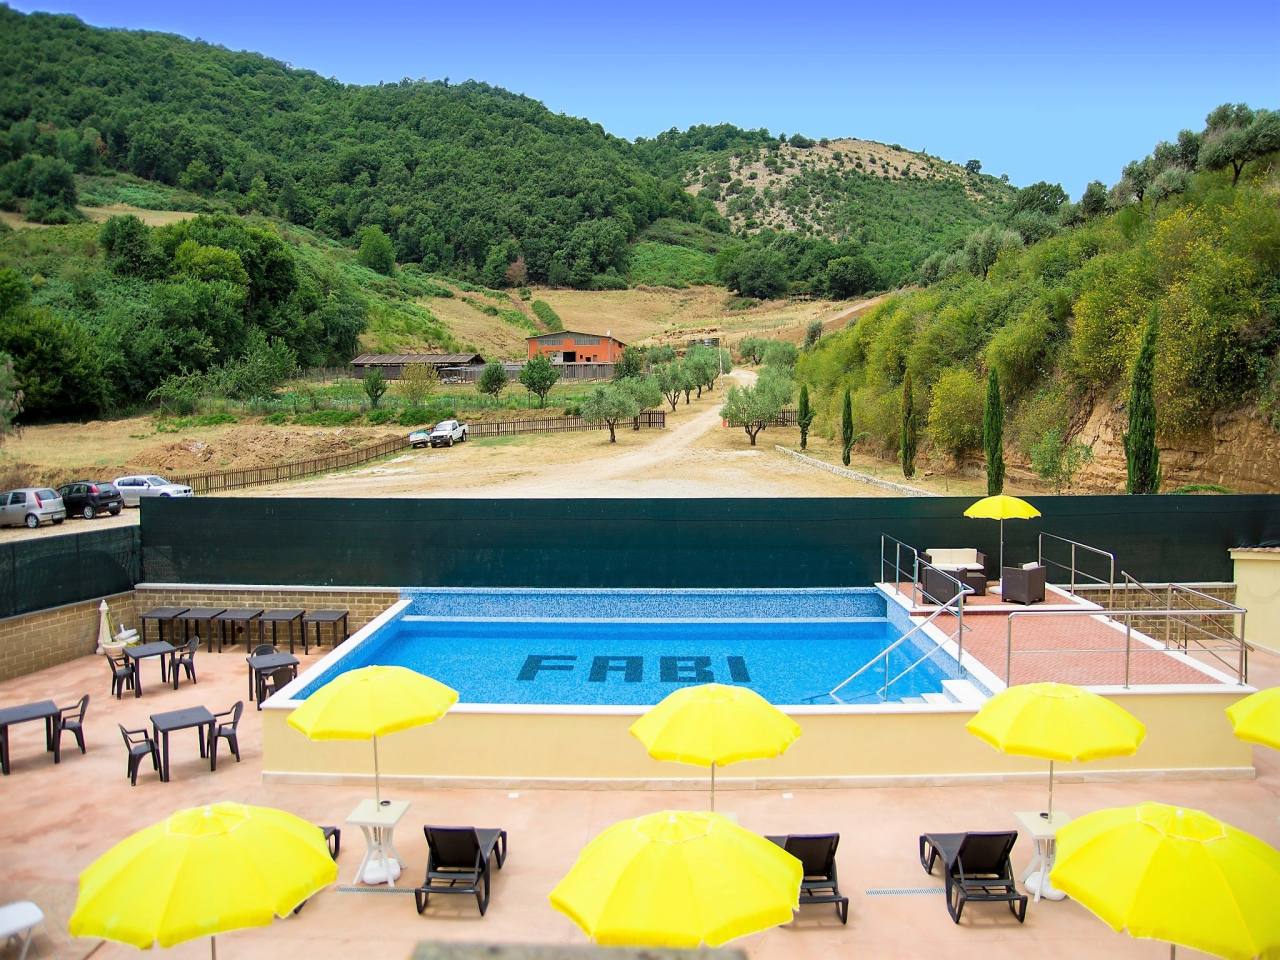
[[1188, 238], [461, 177]]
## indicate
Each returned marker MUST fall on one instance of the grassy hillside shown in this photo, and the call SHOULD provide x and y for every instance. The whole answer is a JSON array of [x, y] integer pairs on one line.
[[1060, 320]]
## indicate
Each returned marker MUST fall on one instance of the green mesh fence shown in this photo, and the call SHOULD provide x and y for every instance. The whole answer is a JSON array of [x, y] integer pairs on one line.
[[661, 543], [41, 572]]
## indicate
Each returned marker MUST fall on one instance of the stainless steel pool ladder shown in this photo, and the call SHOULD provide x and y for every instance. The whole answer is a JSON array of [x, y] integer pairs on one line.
[[954, 606]]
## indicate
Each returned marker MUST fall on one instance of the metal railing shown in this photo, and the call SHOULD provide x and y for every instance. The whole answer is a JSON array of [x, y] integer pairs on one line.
[[1235, 646], [1222, 621], [904, 553], [1072, 566], [952, 606]]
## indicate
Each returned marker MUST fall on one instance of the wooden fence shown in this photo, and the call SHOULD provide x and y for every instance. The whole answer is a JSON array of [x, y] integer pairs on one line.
[[786, 418], [507, 428], [298, 469]]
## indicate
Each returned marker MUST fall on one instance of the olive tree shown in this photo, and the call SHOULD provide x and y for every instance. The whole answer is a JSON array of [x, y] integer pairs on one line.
[[754, 408], [645, 392], [671, 378], [609, 404]]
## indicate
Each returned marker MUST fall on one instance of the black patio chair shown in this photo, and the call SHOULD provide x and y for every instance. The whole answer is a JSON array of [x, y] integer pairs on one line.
[[139, 744], [72, 719], [186, 660], [272, 683], [976, 866], [124, 673], [225, 727], [262, 650], [459, 860], [817, 852]]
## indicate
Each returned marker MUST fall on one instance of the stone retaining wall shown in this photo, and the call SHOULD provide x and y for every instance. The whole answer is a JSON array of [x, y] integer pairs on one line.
[[899, 488]]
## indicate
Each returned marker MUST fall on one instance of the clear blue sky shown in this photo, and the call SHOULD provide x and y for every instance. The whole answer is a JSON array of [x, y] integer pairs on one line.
[[1066, 95]]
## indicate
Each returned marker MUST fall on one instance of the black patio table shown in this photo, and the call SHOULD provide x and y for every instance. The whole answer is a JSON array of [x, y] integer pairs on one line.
[[235, 616], [140, 652], [277, 617], [267, 663], [45, 710], [163, 724], [199, 615], [161, 615], [327, 616]]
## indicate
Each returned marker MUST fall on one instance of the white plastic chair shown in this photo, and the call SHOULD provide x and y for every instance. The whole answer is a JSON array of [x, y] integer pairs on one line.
[[17, 922]]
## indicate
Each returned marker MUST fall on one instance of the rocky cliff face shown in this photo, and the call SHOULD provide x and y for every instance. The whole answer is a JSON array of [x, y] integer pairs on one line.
[[1238, 450]]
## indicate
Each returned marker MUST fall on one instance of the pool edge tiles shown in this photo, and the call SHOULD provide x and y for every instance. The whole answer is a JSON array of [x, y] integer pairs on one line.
[[482, 641]]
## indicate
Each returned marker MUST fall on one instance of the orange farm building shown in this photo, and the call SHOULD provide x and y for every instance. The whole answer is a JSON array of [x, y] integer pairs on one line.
[[569, 346]]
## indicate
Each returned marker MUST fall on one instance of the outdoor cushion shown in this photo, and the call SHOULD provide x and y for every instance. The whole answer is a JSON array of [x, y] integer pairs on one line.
[[1031, 566], [954, 558]]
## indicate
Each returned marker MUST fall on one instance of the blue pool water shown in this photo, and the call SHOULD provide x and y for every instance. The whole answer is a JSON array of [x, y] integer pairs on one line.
[[635, 647]]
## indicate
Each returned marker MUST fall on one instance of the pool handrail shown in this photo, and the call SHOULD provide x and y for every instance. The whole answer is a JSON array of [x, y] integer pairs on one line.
[[954, 606]]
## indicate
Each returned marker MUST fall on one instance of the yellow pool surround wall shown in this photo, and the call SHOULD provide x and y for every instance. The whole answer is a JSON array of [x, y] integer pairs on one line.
[[1257, 575], [1187, 737]]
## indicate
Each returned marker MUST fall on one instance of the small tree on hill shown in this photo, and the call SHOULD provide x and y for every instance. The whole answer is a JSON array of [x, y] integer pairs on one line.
[[493, 379], [846, 428], [538, 376], [993, 435], [804, 416], [630, 364], [417, 382], [1057, 460], [1141, 452], [376, 252], [645, 392], [671, 379], [608, 405], [375, 385], [909, 439], [754, 408], [812, 334]]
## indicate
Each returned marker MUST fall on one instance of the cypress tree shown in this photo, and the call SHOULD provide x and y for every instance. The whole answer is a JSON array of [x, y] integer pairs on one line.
[[993, 435], [908, 443], [846, 428], [1140, 450], [804, 416]]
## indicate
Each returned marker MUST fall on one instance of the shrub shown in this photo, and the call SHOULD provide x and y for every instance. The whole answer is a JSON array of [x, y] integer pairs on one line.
[[493, 379], [378, 417], [547, 314], [955, 411], [327, 418]]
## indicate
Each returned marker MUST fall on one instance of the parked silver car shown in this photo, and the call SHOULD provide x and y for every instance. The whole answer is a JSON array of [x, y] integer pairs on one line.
[[134, 488], [32, 506]]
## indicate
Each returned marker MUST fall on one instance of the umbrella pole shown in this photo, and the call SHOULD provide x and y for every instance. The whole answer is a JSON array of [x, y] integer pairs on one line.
[[377, 793], [713, 786], [1000, 577], [1050, 791], [213, 947]]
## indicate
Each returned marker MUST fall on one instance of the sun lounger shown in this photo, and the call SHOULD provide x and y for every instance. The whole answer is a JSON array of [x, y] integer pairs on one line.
[[976, 866], [817, 851], [460, 860]]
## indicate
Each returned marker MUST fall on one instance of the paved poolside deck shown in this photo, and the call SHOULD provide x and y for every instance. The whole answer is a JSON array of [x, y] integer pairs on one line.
[[56, 820], [1070, 648]]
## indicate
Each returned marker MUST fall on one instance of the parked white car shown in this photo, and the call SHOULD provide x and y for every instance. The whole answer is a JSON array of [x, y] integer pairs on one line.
[[448, 432], [419, 438], [31, 506], [134, 488]]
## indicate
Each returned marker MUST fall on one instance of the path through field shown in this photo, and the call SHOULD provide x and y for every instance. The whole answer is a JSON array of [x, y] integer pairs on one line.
[[695, 456]]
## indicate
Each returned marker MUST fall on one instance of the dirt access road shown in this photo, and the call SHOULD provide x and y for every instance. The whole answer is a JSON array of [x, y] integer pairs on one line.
[[695, 456]]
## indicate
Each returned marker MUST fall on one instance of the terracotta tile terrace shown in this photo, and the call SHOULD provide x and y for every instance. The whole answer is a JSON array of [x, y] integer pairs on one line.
[[54, 820]]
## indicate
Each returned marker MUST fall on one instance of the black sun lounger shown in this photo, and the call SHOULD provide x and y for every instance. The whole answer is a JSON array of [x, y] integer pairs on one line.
[[459, 860], [817, 851], [976, 866]]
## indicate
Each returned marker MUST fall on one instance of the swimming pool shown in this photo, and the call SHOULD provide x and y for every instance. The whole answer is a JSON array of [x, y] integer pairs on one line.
[[633, 647]]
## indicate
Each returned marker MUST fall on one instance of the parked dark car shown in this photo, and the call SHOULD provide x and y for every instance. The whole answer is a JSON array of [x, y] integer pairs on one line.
[[91, 498]]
